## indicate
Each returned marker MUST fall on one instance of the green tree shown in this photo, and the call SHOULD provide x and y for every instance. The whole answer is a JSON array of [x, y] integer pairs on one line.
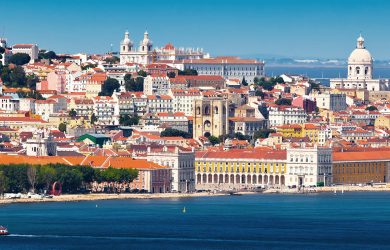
[[214, 140], [112, 60], [31, 82], [127, 120], [259, 93], [171, 74], [3, 184], [283, 101], [279, 80], [175, 132], [46, 176], [142, 73], [244, 82], [62, 127], [19, 59], [94, 119], [188, 72], [109, 86], [263, 133], [134, 85], [72, 113], [371, 108], [71, 180]]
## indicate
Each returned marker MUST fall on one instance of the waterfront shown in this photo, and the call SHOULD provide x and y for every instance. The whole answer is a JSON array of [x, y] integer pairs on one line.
[[311, 221]]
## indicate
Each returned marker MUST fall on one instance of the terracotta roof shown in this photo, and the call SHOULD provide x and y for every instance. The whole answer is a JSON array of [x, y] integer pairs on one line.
[[257, 153], [361, 156]]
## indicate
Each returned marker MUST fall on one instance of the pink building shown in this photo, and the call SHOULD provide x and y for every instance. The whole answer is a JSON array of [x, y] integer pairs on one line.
[[307, 103], [56, 80]]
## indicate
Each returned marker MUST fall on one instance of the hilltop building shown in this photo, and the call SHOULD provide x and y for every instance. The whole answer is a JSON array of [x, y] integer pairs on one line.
[[360, 69]]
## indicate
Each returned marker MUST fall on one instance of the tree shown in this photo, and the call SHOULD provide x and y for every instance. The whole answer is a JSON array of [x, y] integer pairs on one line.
[[94, 119], [283, 101], [72, 113], [171, 74], [32, 176], [71, 180], [136, 85], [19, 59], [259, 93], [279, 79], [214, 140], [142, 73], [46, 176], [3, 183], [244, 82], [31, 81], [127, 120], [188, 72], [263, 133], [2, 50], [109, 86], [240, 136], [62, 127], [371, 108], [43, 54], [112, 60], [175, 132]]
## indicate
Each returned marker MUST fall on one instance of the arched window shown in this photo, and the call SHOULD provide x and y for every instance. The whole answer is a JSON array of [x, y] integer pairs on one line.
[[366, 71], [198, 110], [207, 110], [207, 124], [216, 110], [123, 47], [357, 70]]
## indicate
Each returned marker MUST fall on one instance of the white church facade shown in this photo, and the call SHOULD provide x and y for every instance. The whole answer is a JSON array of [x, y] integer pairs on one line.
[[146, 54], [360, 70]]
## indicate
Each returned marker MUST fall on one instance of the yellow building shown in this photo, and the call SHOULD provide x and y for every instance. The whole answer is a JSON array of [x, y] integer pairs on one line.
[[383, 122], [240, 168], [290, 130], [313, 131], [361, 167]]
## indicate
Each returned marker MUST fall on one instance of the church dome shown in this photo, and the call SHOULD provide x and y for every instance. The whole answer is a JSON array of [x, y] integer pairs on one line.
[[360, 54], [126, 40]]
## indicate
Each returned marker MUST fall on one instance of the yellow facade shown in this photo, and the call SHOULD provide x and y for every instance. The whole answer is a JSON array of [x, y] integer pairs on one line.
[[244, 167], [360, 172]]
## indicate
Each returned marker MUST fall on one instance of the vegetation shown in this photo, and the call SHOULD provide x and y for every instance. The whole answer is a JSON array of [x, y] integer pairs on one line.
[[19, 59], [24, 177], [142, 73], [112, 60], [171, 74], [267, 83], [134, 85], [371, 108], [263, 133], [283, 101], [127, 120], [30, 94], [314, 85], [175, 132], [214, 140], [109, 86], [62, 127], [259, 93], [15, 77], [94, 119], [188, 72], [43, 54], [72, 113], [244, 82], [87, 66]]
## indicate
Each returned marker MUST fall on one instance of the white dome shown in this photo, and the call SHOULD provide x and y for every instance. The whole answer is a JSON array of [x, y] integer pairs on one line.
[[127, 40], [360, 56]]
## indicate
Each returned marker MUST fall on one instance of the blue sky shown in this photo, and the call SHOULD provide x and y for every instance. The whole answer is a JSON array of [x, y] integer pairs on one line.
[[300, 28]]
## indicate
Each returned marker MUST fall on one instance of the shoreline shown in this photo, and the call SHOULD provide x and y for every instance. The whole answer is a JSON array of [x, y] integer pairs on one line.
[[96, 197]]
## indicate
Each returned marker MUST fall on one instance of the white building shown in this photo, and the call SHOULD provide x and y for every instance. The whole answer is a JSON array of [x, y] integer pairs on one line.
[[331, 101], [308, 166], [29, 49], [159, 103], [156, 85], [9, 104], [169, 52], [183, 100], [227, 67], [181, 161], [281, 115], [129, 54], [41, 145], [27, 104], [360, 69], [106, 110]]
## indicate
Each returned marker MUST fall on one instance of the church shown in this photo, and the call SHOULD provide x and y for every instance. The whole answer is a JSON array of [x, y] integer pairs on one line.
[[360, 69], [146, 54], [130, 54]]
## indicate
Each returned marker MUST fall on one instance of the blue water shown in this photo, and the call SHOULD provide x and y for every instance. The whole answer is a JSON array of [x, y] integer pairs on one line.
[[322, 72], [315, 221]]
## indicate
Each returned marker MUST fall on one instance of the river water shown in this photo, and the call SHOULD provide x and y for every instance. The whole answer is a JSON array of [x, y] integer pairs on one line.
[[264, 221]]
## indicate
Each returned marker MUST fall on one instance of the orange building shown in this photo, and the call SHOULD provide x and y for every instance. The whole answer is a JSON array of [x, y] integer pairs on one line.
[[361, 167]]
